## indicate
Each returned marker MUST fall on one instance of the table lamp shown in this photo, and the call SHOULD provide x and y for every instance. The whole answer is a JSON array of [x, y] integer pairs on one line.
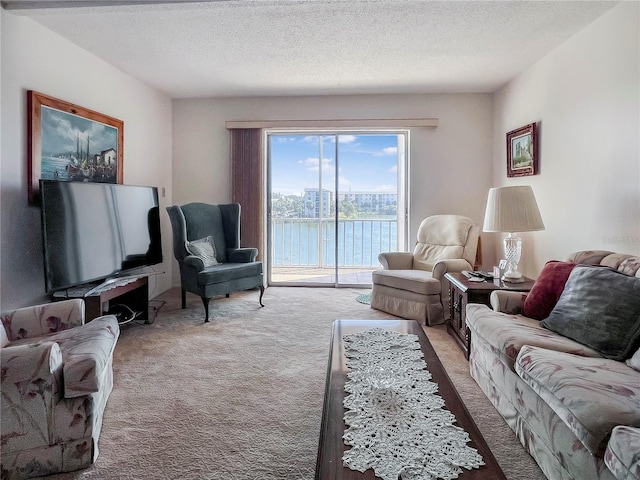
[[512, 209]]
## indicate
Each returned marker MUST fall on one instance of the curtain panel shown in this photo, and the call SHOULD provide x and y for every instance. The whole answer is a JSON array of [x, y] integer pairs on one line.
[[248, 185]]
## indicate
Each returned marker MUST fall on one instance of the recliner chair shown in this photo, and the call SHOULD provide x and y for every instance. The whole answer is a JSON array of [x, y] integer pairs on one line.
[[410, 285], [206, 244]]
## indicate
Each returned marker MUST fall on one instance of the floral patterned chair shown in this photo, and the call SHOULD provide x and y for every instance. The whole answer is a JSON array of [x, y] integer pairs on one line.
[[56, 377]]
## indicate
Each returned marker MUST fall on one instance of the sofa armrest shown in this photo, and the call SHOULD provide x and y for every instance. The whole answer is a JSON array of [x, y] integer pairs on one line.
[[42, 319], [621, 456], [507, 302], [87, 354], [450, 265], [30, 362], [242, 255], [396, 260]]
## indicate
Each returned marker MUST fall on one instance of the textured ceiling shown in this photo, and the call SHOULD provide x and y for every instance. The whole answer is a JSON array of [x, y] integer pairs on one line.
[[317, 47]]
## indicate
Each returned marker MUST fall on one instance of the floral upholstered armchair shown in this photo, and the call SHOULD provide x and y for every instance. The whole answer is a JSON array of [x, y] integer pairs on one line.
[[56, 377]]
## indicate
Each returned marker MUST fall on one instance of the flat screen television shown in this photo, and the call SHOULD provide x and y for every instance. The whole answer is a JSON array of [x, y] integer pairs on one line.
[[93, 232]]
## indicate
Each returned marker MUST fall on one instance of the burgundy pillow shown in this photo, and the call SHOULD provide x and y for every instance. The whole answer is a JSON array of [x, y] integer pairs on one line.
[[547, 289]]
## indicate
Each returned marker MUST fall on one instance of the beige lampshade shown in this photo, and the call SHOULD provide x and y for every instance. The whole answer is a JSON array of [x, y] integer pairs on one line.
[[512, 209]]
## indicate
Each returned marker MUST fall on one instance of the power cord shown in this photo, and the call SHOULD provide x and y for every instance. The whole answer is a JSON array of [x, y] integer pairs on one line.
[[123, 313]]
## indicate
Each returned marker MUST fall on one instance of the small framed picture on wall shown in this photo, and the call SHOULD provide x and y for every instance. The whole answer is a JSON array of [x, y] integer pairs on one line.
[[522, 151]]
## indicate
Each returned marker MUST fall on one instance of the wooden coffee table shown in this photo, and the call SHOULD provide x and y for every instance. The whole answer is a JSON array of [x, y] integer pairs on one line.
[[331, 447]]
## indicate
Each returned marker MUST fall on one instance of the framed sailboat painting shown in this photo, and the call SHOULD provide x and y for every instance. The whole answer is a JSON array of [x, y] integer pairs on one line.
[[71, 143]]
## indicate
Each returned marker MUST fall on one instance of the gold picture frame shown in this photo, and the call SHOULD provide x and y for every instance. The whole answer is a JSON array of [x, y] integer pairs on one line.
[[67, 142]]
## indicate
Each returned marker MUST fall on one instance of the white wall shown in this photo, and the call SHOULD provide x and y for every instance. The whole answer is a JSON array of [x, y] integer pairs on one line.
[[586, 96], [34, 58], [450, 166]]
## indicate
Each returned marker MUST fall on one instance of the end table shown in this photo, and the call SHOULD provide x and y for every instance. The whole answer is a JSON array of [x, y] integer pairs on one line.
[[462, 292]]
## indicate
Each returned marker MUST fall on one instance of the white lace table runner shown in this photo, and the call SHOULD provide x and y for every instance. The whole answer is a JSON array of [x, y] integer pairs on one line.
[[396, 423]]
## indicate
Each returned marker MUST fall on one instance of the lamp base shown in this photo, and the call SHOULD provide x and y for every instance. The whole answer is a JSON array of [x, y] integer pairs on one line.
[[512, 251], [512, 277]]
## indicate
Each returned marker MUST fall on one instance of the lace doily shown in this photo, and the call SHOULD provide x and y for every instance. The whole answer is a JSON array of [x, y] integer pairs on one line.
[[396, 423]]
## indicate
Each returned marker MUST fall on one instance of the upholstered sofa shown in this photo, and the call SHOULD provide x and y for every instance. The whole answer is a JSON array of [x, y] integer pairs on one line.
[[567, 381], [56, 377]]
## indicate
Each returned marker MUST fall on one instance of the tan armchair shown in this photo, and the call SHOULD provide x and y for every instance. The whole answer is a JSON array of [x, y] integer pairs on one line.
[[410, 284]]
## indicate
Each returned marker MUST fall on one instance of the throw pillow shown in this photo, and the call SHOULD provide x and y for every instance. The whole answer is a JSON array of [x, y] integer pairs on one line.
[[547, 289], [600, 308], [204, 249]]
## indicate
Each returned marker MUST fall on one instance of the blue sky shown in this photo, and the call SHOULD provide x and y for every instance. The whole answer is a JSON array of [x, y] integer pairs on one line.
[[367, 163], [61, 130]]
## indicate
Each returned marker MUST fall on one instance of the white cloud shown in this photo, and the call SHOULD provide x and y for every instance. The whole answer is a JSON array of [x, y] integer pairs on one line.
[[393, 169], [385, 188], [312, 164], [343, 182], [387, 152], [346, 138]]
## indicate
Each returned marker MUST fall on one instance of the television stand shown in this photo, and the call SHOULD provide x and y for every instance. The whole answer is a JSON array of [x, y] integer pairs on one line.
[[116, 298]]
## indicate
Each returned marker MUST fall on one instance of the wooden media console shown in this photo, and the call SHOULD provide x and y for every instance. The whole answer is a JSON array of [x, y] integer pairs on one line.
[[117, 298]]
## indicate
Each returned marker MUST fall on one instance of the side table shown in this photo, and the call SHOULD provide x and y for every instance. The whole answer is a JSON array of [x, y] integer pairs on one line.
[[462, 292]]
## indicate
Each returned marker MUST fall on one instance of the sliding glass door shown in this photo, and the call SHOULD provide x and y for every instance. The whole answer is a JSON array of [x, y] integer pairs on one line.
[[336, 200]]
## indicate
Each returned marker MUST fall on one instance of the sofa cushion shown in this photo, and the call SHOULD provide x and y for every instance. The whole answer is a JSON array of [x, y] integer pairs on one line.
[[30, 363], [417, 281], [226, 272], [634, 361], [590, 395], [86, 352], [621, 456], [4, 339], [507, 334], [600, 308], [547, 289]]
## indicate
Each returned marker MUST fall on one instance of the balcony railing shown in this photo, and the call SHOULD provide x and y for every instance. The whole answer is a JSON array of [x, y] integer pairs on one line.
[[295, 241]]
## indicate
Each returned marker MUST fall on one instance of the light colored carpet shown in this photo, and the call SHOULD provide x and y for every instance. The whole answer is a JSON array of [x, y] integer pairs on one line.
[[241, 398]]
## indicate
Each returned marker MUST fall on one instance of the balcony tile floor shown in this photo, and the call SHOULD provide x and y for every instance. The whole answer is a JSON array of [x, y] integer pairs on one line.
[[315, 275]]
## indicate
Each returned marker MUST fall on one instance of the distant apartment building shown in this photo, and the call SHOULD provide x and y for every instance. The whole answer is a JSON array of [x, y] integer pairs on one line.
[[311, 201], [369, 202], [364, 202]]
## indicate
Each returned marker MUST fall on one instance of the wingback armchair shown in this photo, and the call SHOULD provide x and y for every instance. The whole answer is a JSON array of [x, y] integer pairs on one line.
[[57, 374], [410, 285], [206, 244]]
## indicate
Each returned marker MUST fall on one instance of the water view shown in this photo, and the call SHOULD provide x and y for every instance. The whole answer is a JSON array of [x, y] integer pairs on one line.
[[334, 204], [296, 242]]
